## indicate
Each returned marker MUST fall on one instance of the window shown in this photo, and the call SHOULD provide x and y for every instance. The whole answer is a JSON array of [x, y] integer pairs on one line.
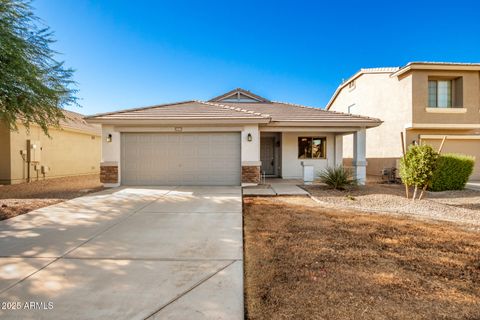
[[440, 93], [312, 148]]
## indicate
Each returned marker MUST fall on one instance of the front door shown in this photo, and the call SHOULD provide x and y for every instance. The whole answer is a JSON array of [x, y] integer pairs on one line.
[[267, 155]]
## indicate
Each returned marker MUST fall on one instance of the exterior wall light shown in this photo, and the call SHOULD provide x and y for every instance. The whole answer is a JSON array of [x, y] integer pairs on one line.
[[109, 137], [249, 137]]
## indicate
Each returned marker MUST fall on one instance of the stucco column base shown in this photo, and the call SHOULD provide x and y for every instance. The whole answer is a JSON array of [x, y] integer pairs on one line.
[[360, 172], [251, 174]]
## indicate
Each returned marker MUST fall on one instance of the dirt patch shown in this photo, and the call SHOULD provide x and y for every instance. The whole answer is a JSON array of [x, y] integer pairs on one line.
[[307, 262], [22, 198], [458, 206]]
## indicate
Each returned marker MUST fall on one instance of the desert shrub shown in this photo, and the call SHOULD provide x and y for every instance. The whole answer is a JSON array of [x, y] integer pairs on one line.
[[337, 177], [452, 172], [418, 166]]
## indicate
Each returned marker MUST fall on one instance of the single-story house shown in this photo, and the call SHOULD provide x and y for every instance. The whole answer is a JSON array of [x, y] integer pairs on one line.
[[232, 139], [72, 150]]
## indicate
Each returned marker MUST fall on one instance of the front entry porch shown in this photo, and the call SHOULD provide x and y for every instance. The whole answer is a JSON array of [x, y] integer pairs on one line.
[[283, 154]]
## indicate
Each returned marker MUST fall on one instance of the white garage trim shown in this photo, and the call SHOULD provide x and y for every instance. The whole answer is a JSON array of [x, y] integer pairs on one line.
[[450, 137]]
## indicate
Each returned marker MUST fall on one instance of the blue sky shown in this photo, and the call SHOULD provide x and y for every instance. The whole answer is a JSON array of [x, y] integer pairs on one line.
[[136, 53]]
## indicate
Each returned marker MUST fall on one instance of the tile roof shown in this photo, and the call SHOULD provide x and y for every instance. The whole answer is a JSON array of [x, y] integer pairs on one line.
[[186, 110], [267, 112], [76, 121], [289, 112], [379, 70]]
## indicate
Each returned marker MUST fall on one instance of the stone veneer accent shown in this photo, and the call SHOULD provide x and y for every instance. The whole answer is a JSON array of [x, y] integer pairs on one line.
[[250, 174], [109, 173]]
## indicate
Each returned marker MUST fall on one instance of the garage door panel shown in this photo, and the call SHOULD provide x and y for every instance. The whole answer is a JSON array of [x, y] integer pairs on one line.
[[180, 158]]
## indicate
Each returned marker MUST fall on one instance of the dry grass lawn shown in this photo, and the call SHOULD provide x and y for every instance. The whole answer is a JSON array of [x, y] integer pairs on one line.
[[21, 198], [303, 261]]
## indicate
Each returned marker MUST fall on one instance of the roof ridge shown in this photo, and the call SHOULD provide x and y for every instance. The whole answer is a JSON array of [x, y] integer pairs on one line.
[[234, 108], [240, 90], [327, 111], [137, 109]]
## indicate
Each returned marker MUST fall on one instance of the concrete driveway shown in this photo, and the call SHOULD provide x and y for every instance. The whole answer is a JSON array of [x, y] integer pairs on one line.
[[126, 253]]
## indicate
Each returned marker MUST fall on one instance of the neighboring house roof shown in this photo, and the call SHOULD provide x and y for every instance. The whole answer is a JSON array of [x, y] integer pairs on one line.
[[220, 108], [75, 121], [425, 65], [397, 71]]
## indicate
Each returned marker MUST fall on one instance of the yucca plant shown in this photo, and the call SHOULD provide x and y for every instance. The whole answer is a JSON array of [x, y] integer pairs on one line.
[[337, 177]]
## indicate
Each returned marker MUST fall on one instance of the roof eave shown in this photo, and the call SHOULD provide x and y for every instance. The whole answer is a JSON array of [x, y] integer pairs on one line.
[[436, 66], [178, 121], [314, 123]]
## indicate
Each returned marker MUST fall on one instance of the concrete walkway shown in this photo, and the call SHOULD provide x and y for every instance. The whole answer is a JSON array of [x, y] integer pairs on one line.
[[473, 185], [129, 253], [275, 189]]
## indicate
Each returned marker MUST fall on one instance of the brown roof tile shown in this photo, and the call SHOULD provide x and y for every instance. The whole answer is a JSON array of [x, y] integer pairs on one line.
[[288, 112], [190, 110], [270, 112]]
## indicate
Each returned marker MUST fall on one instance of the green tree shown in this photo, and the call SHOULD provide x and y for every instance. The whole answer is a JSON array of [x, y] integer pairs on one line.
[[34, 86], [418, 166]]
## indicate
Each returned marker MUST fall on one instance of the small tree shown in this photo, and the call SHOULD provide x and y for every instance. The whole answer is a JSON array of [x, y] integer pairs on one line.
[[33, 85], [418, 166]]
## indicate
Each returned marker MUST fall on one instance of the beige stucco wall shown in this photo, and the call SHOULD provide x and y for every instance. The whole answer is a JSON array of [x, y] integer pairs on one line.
[[4, 154], [380, 96], [291, 165], [401, 103], [66, 153], [471, 98]]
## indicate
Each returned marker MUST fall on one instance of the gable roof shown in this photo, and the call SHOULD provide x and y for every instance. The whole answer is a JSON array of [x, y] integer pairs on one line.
[[237, 94], [221, 111]]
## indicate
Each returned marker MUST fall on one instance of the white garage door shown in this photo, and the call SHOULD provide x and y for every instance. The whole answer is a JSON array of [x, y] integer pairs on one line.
[[180, 158]]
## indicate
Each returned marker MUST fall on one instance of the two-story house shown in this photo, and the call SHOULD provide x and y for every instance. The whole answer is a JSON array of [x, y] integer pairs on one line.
[[424, 100]]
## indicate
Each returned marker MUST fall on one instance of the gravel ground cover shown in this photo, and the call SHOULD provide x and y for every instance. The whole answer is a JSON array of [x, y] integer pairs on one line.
[[458, 206], [305, 261], [21, 198]]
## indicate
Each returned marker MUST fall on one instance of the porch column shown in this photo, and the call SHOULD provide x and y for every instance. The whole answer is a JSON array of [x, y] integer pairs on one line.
[[250, 149], [359, 159], [338, 150], [110, 166]]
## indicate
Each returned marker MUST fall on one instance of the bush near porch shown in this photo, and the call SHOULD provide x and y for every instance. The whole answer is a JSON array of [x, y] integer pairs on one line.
[[452, 172]]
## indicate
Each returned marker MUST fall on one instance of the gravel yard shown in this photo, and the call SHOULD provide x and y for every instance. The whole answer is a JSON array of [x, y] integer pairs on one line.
[[457, 206], [21, 198]]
